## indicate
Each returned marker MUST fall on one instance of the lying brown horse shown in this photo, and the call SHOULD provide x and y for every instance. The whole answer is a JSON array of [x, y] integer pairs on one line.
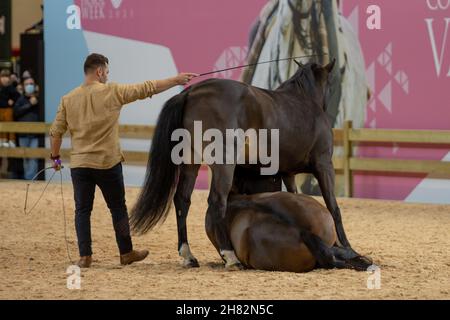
[[297, 109], [282, 231]]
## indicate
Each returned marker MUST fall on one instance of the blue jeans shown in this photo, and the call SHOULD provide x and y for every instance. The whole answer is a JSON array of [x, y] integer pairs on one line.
[[110, 182], [30, 166]]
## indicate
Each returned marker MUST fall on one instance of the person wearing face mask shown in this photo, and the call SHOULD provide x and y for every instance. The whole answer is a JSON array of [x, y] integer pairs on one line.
[[26, 109], [8, 96], [91, 114]]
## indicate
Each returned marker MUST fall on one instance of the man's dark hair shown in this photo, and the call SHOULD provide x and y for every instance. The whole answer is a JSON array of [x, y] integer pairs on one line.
[[93, 61]]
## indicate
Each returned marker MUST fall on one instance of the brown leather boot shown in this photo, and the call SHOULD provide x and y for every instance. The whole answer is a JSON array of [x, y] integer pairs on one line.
[[133, 256], [85, 262]]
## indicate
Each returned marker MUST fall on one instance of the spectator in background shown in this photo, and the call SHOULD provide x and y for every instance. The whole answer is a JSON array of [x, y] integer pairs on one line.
[[26, 74], [26, 109], [19, 89], [14, 79], [8, 97]]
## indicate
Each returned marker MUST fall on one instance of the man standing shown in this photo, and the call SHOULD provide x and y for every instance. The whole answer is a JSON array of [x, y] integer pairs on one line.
[[91, 113]]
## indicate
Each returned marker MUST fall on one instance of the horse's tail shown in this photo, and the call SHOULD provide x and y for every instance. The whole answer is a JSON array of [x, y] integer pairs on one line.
[[160, 182]]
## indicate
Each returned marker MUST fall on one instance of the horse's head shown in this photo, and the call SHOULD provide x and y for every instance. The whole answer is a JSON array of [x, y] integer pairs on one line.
[[314, 79]]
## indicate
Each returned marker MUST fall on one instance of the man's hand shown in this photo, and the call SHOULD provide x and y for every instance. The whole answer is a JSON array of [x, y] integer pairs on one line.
[[10, 102], [33, 101], [56, 162], [181, 79], [184, 78]]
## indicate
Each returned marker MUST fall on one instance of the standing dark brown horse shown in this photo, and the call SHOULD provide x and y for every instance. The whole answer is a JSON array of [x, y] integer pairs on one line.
[[282, 231], [297, 108]]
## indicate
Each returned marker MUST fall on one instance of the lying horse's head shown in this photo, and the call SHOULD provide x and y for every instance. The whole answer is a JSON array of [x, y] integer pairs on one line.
[[314, 80]]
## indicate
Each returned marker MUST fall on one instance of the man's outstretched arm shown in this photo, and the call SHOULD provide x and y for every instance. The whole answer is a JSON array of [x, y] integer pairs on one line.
[[127, 93]]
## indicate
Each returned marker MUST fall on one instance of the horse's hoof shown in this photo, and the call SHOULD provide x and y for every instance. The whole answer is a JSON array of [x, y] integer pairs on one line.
[[234, 267], [191, 263], [361, 263], [364, 260]]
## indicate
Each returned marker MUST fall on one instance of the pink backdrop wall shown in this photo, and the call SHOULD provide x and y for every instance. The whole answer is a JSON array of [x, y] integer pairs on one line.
[[402, 62]]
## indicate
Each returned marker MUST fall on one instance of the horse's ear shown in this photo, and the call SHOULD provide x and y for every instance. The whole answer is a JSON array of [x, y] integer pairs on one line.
[[329, 67], [300, 65]]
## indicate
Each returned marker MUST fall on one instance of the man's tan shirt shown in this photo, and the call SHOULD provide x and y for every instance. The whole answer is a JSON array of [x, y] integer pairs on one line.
[[91, 114]]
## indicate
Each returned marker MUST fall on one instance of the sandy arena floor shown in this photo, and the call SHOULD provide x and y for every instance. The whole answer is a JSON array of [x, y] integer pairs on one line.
[[410, 243]]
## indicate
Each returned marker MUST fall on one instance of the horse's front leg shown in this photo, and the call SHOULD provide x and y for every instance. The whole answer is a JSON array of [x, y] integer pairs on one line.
[[324, 173], [222, 179], [289, 182]]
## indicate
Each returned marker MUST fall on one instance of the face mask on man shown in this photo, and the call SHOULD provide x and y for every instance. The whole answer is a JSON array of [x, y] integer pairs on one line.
[[29, 88]]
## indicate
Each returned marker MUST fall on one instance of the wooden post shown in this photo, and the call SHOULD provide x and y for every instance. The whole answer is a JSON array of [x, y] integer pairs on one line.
[[348, 153]]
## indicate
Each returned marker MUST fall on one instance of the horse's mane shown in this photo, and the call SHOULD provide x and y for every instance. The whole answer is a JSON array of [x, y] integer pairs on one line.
[[304, 82]]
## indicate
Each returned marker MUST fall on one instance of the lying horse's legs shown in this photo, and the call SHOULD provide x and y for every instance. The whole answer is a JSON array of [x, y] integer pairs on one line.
[[289, 182], [222, 179], [323, 255], [182, 200]]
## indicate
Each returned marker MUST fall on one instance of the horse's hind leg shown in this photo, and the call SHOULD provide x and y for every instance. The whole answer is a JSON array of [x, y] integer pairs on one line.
[[222, 180], [182, 200]]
